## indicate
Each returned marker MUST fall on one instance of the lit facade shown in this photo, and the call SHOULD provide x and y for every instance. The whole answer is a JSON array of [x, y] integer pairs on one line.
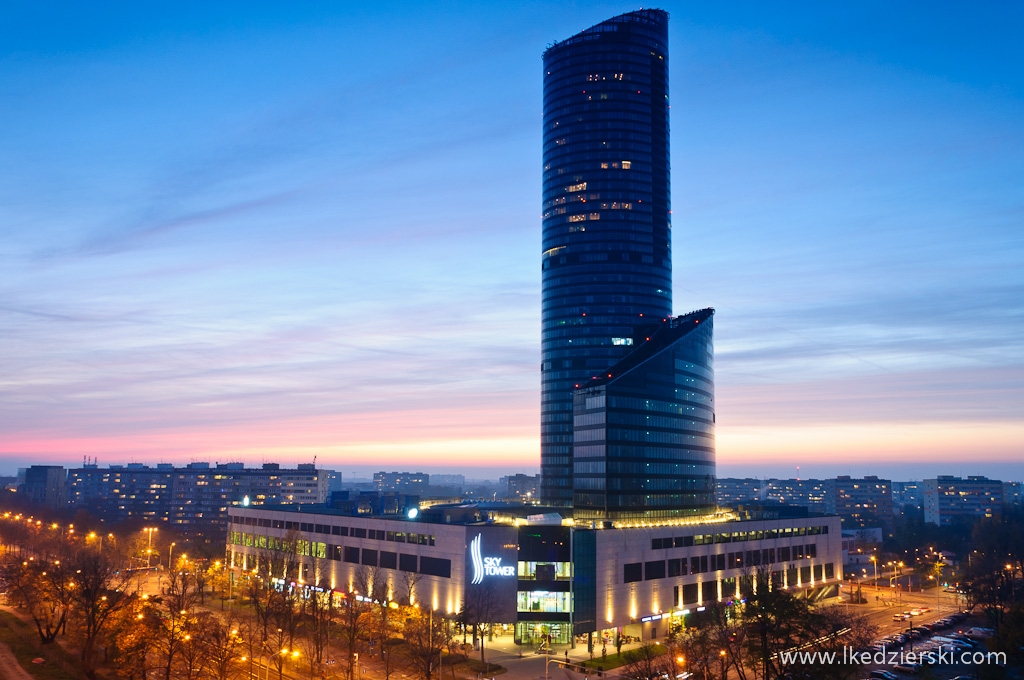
[[947, 498], [606, 263], [544, 577]]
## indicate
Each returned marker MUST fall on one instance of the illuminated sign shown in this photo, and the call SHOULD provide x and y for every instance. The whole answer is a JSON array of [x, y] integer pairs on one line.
[[486, 566]]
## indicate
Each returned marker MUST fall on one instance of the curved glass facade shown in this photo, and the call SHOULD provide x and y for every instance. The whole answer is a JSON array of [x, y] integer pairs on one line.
[[645, 430], [606, 264]]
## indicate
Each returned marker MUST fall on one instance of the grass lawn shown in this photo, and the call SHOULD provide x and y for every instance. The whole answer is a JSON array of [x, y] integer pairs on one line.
[[615, 660], [474, 666], [24, 652]]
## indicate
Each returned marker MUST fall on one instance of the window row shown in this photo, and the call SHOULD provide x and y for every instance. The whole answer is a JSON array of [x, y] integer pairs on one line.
[[703, 564], [335, 530], [735, 537]]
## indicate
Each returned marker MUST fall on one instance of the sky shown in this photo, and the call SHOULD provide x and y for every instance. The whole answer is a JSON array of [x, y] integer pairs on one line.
[[272, 231]]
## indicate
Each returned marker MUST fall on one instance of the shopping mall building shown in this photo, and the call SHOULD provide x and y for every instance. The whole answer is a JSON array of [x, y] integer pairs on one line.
[[539, 576]]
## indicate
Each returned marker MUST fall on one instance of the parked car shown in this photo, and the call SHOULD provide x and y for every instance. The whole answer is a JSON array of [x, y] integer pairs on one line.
[[883, 675], [911, 668]]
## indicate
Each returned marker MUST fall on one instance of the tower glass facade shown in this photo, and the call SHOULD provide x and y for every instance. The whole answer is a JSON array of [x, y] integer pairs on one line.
[[606, 265], [644, 431]]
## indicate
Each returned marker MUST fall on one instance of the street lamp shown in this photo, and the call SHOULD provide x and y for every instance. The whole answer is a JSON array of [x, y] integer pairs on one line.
[[874, 563], [170, 549], [149, 549], [267, 667]]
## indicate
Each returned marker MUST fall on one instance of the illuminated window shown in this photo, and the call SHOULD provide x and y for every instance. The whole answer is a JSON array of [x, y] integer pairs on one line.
[[626, 165], [622, 341]]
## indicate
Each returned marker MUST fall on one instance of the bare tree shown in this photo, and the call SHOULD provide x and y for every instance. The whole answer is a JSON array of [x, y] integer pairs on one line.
[[98, 593], [480, 608], [407, 583], [131, 639], [277, 565], [251, 633], [352, 617], [317, 616], [369, 581], [195, 647], [426, 637], [385, 626], [646, 662], [178, 599], [41, 587], [225, 644]]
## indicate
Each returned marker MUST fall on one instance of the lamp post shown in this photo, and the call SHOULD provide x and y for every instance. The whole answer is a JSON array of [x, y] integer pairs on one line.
[[267, 667], [149, 549], [170, 550], [874, 563]]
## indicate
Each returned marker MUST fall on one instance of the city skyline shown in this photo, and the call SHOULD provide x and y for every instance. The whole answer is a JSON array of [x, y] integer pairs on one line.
[[259, 236]]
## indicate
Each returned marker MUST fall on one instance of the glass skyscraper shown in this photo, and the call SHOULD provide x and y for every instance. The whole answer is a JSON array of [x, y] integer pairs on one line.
[[606, 263], [644, 430]]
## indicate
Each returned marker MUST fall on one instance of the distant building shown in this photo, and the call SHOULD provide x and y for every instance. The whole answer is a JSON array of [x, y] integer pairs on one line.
[[521, 486], [1013, 493], [809, 493], [196, 496], [45, 485], [863, 502], [401, 482], [947, 497], [906, 493], [859, 546], [454, 482], [731, 492]]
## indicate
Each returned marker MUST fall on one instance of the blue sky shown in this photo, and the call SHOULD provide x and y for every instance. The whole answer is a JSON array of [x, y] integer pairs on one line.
[[263, 231]]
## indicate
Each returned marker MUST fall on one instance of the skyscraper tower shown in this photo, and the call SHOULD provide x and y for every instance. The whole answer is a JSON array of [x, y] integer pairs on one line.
[[606, 263]]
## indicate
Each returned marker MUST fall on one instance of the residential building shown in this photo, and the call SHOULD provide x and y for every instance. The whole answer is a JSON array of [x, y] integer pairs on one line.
[[808, 493], [520, 486], [401, 482], [731, 492], [947, 498], [195, 496], [1013, 493], [860, 502], [45, 485], [448, 482], [906, 493]]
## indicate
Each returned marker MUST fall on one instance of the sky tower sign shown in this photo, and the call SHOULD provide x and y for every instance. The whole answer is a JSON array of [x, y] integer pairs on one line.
[[486, 566]]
